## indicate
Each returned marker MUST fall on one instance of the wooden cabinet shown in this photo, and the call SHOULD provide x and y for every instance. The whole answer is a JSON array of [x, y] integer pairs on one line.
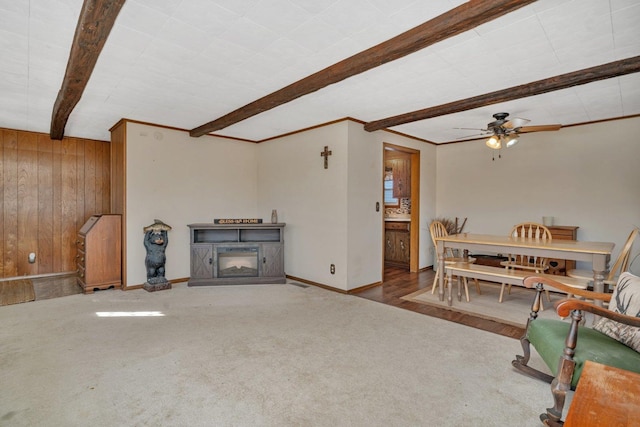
[[234, 254], [397, 243], [99, 253], [401, 171], [562, 232]]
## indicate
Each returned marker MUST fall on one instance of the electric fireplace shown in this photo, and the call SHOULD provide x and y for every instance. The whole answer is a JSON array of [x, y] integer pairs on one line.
[[236, 254], [237, 261]]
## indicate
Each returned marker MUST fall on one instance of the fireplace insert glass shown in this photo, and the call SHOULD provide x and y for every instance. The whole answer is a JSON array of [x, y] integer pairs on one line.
[[238, 261]]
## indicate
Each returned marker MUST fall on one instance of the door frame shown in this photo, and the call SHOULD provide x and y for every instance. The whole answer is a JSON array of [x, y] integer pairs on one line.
[[414, 231]]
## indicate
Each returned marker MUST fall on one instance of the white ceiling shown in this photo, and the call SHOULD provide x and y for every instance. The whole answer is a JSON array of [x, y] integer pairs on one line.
[[183, 63]]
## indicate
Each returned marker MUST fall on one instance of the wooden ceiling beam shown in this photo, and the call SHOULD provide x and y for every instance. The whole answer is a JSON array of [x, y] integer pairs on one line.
[[563, 81], [94, 25], [458, 20]]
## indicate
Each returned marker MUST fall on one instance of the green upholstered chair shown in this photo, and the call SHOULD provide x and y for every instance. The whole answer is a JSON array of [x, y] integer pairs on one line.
[[564, 346]]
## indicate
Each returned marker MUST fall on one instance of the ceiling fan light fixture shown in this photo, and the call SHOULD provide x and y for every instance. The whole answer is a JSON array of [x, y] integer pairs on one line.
[[512, 140], [494, 142]]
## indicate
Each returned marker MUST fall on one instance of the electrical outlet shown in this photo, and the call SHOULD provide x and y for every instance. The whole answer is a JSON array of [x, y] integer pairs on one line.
[[332, 269], [32, 258]]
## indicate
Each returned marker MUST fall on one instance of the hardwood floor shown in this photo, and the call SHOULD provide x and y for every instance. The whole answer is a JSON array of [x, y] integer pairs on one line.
[[399, 282]]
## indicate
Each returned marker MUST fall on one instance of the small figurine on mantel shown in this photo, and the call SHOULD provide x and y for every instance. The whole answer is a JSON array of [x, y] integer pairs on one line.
[[156, 241]]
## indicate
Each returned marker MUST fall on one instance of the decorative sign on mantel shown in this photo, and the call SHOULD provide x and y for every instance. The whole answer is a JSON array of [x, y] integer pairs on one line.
[[237, 221]]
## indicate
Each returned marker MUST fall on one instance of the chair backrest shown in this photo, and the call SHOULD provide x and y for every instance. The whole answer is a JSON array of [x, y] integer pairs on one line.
[[530, 230], [437, 229], [622, 262]]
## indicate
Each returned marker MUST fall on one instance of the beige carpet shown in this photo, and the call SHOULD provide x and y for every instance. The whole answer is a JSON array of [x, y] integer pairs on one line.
[[264, 355], [16, 291], [514, 310]]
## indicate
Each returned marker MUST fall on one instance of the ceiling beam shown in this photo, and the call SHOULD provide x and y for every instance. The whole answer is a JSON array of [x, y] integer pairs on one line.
[[458, 20], [94, 25], [563, 81]]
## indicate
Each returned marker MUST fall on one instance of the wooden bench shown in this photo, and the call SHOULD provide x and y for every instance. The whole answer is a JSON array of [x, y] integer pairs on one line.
[[505, 276]]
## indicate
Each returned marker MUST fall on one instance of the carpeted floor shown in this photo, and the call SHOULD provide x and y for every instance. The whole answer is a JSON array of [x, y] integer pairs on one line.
[[264, 355], [16, 291]]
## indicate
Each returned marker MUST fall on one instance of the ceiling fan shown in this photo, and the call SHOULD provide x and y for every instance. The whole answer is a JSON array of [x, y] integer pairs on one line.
[[506, 133]]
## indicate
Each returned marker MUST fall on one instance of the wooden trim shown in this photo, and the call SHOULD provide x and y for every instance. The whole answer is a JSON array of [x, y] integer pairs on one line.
[[563, 126], [172, 281], [118, 168], [94, 25], [320, 285], [414, 242], [331, 288], [40, 276], [414, 232], [364, 288], [563, 81], [310, 128], [409, 136], [455, 21], [602, 120]]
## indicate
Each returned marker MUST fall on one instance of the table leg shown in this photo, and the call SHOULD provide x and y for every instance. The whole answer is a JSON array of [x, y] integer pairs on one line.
[[449, 292], [600, 264], [440, 251]]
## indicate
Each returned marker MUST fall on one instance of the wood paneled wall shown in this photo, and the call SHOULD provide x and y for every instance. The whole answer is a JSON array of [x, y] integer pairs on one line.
[[49, 189]]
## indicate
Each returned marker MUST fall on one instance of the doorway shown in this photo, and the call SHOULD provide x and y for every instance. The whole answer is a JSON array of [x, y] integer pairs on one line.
[[401, 201]]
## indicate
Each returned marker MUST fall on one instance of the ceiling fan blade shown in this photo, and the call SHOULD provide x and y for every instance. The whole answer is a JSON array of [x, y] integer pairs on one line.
[[516, 122], [540, 128], [484, 130], [472, 136]]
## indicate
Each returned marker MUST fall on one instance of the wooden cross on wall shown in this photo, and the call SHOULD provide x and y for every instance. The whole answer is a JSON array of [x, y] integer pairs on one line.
[[326, 153]]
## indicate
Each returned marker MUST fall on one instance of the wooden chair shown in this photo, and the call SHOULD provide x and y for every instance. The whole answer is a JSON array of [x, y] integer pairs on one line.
[[621, 264], [437, 229], [535, 264], [565, 346]]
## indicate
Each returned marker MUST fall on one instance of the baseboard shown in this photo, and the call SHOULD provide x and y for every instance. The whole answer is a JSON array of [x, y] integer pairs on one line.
[[172, 281], [331, 288], [40, 276]]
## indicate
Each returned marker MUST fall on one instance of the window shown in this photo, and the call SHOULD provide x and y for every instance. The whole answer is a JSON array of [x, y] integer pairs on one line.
[[389, 200]]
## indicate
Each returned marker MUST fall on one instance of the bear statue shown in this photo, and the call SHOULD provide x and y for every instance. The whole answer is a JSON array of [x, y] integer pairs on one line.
[[156, 240]]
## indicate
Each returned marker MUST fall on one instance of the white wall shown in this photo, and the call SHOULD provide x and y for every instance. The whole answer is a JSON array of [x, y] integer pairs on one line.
[[364, 189], [330, 213], [311, 200], [588, 176], [182, 180]]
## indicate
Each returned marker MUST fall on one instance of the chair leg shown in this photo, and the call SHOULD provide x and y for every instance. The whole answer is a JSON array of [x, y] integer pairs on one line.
[[466, 288], [501, 292], [478, 291], [436, 282]]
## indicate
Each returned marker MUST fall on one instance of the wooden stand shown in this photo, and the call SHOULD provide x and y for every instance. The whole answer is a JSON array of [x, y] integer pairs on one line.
[[562, 232], [605, 396], [236, 254], [99, 258]]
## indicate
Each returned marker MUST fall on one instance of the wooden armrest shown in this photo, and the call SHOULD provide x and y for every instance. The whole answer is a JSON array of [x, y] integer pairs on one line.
[[532, 281], [565, 306]]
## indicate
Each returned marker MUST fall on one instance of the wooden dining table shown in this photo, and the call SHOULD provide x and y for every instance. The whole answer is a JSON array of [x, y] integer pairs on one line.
[[596, 253]]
